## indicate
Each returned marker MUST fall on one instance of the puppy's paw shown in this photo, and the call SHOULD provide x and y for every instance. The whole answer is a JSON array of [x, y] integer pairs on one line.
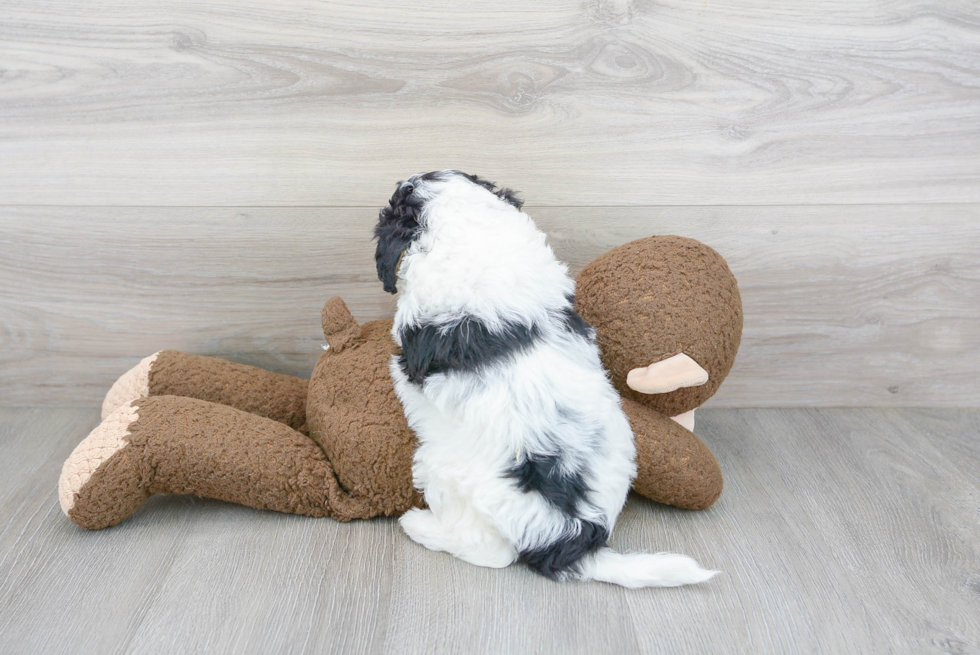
[[493, 556], [422, 527]]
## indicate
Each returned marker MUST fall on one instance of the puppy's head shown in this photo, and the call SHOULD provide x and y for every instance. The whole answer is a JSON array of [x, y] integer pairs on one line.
[[403, 221]]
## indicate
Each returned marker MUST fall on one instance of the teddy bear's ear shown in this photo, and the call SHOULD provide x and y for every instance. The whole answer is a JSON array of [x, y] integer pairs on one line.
[[339, 326]]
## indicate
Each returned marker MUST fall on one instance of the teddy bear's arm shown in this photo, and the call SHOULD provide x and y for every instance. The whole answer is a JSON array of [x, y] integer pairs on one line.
[[673, 466], [180, 445], [276, 396]]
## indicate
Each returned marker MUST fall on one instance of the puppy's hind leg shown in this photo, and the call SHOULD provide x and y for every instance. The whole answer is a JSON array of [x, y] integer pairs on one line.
[[423, 527], [480, 543], [467, 537]]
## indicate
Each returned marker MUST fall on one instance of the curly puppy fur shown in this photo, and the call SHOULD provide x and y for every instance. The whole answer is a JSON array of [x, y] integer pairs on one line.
[[524, 450]]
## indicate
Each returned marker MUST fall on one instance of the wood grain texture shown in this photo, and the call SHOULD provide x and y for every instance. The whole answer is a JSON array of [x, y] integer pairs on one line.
[[840, 531], [855, 306], [163, 102]]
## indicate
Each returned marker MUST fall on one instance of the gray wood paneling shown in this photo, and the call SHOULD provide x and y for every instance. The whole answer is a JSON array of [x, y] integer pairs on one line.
[[163, 102], [866, 305], [839, 531]]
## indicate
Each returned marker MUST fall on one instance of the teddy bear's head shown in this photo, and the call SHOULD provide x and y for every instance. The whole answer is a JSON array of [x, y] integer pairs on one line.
[[657, 297]]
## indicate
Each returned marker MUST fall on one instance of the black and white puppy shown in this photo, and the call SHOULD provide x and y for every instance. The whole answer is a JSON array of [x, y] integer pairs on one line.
[[524, 451]]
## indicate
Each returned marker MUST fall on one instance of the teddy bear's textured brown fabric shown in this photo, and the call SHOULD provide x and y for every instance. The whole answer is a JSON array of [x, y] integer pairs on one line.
[[648, 300], [233, 432], [355, 415], [182, 445], [673, 465], [228, 436], [657, 297], [279, 397]]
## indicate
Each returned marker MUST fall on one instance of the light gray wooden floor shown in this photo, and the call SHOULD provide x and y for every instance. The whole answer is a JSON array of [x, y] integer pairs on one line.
[[840, 531]]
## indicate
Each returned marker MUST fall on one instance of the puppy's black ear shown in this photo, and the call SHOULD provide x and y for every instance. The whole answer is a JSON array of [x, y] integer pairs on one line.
[[510, 196], [396, 229], [393, 239], [507, 195]]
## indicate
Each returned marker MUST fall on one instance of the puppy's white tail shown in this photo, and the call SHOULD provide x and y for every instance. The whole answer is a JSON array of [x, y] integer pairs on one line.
[[643, 570]]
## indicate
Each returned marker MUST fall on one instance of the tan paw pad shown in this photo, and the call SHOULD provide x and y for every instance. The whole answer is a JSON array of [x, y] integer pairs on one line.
[[101, 444], [133, 384]]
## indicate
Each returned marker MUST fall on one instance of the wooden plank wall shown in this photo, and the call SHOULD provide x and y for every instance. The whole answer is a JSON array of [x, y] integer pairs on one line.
[[204, 175]]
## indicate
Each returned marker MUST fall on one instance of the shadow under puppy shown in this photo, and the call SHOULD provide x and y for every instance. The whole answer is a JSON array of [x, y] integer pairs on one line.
[[524, 450]]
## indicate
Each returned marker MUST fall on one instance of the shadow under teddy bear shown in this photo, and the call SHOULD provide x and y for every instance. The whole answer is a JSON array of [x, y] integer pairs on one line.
[[668, 321]]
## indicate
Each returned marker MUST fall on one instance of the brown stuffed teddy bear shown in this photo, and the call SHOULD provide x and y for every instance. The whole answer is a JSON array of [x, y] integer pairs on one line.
[[668, 320], [338, 444]]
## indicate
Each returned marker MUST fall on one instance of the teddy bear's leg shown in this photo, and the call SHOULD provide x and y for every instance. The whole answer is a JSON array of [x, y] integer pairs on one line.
[[174, 444], [673, 466], [279, 397]]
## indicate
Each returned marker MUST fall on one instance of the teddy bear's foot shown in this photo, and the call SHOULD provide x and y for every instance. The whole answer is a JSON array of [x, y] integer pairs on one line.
[[101, 483], [180, 445], [133, 384]]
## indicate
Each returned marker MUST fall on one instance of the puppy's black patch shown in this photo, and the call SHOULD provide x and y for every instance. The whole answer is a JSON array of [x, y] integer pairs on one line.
[[563, 556], [543, 474], [397, 227], [575, 323], [464, 346]]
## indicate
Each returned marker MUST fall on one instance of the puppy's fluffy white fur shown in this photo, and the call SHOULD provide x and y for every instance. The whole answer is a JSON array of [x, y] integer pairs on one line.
[[524, 451]]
